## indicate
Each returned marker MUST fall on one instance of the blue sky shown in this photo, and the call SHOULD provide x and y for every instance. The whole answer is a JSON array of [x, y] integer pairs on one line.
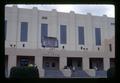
[[94, 9]]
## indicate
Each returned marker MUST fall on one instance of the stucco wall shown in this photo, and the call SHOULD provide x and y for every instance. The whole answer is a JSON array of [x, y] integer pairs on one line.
[[15, 16]]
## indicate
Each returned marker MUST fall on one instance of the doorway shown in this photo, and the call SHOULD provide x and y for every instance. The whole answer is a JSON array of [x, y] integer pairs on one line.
[[51, 63], [74, 62]]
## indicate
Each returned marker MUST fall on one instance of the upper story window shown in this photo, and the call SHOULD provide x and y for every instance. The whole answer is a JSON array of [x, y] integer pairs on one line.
[[24, 32], [5, 29], [98, 36], [63, 34], [110, 47], [44, 30], [81, 35]]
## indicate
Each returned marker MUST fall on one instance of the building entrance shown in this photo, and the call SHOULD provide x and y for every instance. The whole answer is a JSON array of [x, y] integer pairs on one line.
[[74, 62], [51, 63], [96, 63]]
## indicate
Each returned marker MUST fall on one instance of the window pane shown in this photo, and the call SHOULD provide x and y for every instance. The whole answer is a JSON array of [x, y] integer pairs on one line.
[[44, 30], [81, 35], [63, 34], [24, 61], [98, 36], [24, 31]]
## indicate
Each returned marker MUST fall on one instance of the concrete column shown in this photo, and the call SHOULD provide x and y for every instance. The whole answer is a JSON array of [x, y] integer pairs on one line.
[[11, 62], [106, 63], [71, 32], [39, 63], [85, 63], [33, 36], [62, 62]]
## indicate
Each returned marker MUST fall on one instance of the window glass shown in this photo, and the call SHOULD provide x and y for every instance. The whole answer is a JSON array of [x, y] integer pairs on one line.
[[63, 34], [81, 35], [24, 61], [44, 30], [98, 36], [24, 31]]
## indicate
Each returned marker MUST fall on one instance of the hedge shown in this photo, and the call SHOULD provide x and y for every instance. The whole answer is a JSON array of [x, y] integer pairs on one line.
[[24, 72]]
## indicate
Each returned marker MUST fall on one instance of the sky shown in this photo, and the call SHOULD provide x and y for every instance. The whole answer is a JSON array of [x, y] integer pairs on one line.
[[94, 9]]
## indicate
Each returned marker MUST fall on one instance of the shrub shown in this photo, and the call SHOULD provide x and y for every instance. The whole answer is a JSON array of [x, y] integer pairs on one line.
[[24, 72], [111, 72]]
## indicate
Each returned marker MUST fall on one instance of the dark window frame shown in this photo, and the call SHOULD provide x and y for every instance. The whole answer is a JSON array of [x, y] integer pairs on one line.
[[44, 30], [63, 34], [98, 36], [24, 32], [24, 61], [81, 36]]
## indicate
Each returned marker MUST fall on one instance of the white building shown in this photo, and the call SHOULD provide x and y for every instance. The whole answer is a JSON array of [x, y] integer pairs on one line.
[[84, 41]]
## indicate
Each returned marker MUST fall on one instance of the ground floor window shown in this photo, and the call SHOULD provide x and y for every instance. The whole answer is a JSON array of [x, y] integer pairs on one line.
[[96, 63], [25, 60]]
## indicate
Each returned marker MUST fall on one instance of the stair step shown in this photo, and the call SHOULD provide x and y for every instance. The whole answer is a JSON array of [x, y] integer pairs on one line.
[[53, 73], [101, 73], [79, 73]]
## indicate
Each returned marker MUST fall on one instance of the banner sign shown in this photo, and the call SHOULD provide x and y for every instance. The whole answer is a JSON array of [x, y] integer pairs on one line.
[[49, 42]]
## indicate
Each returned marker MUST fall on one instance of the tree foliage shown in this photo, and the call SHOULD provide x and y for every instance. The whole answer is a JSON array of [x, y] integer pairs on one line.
[[24, 72]]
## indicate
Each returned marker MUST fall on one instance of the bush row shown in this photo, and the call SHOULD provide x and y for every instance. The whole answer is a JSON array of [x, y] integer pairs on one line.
[[24, 72]]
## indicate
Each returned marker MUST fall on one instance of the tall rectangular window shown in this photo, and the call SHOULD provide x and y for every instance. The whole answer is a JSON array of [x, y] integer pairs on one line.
[[98, 36], [24, 32], [5, 29], [44, 30], [81, 35], [63, 34]]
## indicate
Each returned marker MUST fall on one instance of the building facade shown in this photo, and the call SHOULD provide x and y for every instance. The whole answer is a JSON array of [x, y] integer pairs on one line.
[[85, 42]]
